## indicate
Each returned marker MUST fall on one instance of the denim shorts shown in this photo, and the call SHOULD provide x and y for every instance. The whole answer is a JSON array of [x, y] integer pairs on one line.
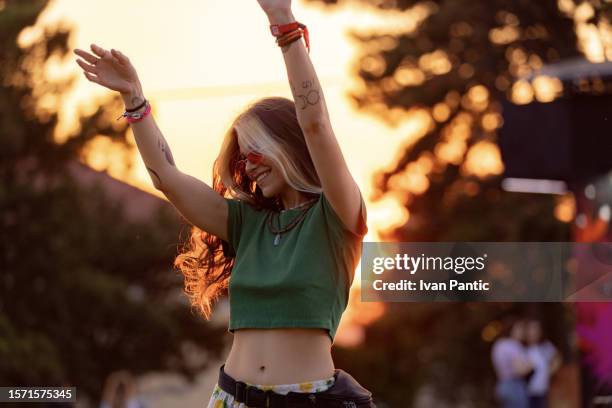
[[512, 393], [221, 399]]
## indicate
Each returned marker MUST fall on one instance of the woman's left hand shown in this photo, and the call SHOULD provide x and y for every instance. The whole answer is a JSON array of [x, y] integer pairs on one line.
[[275, 6]]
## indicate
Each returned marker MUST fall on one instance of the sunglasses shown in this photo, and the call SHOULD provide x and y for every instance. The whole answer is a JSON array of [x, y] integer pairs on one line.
[[253, 157]]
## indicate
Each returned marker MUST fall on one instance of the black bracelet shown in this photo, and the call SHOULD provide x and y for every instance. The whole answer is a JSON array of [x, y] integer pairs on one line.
[[138, 107]]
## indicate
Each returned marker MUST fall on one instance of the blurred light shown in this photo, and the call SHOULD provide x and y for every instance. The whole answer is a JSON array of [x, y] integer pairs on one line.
[[387, 213], [535, 62], [482, 160], [522, 92], [547, 88], [441, 112], [590, 192], [374, 64], [387, 42], [491, 121], [491, 331], [581, 221], [566, 6], [390, 85], [479, 94], [565, 208], [425, 163], [583, 12], [461, 130], [504, 35], [412, 180], [604, 212], [517, 55], [436, 62], [409, 76], [590, 41], [451, 151], [523, 185]]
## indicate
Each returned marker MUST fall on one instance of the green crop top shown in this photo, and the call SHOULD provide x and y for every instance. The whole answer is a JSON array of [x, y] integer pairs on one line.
[[304, 281]]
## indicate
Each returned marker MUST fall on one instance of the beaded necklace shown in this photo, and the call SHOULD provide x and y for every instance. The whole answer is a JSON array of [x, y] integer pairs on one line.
[[295, 221]]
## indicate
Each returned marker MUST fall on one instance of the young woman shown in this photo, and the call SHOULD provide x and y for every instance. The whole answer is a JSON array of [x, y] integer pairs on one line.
[[545, 360], [284, 218], [511, 364]]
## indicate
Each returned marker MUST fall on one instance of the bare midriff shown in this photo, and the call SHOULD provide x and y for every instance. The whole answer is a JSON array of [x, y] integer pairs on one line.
[[280, 356]]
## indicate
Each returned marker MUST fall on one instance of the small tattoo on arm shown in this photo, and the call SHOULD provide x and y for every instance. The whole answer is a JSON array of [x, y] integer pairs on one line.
[[309, 95], [166, 150]]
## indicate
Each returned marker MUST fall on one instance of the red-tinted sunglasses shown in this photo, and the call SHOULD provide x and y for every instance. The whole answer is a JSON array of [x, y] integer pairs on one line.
[[253, 157]]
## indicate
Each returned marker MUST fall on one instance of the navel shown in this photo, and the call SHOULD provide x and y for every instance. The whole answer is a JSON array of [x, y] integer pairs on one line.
[[261, 368]]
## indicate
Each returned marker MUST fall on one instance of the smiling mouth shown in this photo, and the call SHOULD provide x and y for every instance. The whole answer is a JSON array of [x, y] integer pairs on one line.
[[262, 176]]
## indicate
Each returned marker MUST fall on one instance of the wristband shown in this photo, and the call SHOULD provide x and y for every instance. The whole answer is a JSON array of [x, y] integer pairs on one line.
[[133, 117], [278, 30], [136, 108], [137, 117]]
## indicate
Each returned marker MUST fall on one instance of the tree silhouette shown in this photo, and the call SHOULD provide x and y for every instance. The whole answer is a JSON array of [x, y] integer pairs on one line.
[[454, 68], [84, 290]]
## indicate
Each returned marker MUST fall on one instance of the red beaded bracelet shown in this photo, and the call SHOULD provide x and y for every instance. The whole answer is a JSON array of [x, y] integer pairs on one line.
[[133, 117], [278, 30], [137, 117]]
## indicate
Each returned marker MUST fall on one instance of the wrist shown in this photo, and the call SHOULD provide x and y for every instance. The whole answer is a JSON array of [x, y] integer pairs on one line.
[[280, 17], [133, 97]]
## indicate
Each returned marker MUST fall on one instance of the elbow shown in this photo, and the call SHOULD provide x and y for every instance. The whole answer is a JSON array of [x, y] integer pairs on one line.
[[315, 127], [157, 183]]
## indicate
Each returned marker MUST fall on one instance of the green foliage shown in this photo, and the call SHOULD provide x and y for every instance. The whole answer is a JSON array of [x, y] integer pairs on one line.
[[84, 291]]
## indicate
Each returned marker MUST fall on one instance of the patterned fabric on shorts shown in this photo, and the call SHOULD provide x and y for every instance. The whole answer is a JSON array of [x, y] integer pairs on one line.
[[221, 399]]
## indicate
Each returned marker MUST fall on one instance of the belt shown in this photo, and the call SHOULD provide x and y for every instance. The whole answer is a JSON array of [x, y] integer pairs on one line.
[[252, 396]]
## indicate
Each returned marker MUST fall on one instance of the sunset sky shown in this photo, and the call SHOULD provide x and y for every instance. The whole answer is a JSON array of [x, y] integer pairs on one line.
[[199, 74]]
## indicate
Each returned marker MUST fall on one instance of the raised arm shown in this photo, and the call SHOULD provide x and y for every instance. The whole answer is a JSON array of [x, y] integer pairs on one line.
[[195, 200], [337, 182]]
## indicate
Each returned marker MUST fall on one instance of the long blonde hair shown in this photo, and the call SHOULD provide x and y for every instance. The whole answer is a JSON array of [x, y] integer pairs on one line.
[[270, 126]]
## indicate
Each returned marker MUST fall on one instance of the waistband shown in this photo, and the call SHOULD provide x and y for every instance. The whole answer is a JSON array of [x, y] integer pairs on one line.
[[252, 396]]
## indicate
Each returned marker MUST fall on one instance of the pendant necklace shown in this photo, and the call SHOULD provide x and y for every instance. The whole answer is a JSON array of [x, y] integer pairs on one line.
[[278, 232]]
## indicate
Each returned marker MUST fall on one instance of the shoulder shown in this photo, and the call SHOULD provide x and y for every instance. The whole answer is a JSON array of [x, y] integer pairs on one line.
[[336, 222]]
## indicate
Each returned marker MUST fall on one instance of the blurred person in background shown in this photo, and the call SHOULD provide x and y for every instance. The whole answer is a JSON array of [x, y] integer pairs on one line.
[[511, 364], [120, 392], [284, 217], [545, 360]]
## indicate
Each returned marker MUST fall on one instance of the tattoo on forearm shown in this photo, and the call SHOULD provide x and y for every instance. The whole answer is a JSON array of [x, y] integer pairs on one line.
[[308, 95], [156, 178], [166, 150]]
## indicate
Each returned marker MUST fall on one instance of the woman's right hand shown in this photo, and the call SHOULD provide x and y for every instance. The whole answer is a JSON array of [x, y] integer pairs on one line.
[[110, 69]]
